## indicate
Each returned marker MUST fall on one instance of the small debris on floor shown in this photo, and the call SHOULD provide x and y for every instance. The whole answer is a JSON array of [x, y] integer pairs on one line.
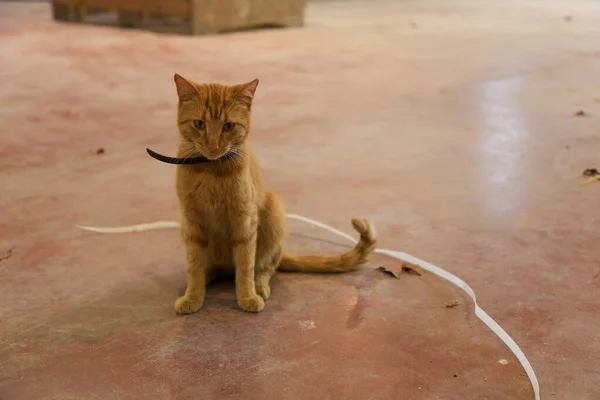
[[6, 254], [388, 272], [592, 174], [580, 113], [101, 150], [409, 269], [453, 303], [307, 325], [503, 361], [394, 271], [455, 375], [568, 18]]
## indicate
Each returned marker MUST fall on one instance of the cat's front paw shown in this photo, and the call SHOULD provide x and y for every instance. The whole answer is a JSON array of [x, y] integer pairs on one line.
[[187, 305], [263, 290], [252, 304]]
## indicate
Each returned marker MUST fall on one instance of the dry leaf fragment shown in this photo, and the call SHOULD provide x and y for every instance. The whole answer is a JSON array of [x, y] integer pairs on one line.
[[389, 272], [589, 180], [6, 254], [395, 271], [409, 269], [453, 303], [592, 175]]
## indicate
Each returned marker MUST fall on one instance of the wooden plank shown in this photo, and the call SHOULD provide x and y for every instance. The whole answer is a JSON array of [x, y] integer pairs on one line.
[[60, 11], [220, 16], [175, 8], [129, 19]]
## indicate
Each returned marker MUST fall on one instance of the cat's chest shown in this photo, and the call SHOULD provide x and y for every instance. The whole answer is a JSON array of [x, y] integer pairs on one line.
[[216, 201]]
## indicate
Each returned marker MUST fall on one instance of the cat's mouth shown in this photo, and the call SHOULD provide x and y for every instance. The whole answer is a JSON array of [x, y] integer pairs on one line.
[[188, 160], [212, 155]]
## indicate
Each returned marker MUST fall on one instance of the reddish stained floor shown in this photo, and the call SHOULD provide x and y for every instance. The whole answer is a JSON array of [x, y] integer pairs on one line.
[[448, 124]]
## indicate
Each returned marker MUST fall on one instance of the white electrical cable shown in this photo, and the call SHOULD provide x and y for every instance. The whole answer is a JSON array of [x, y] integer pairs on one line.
[[133, 228], [479, 313]]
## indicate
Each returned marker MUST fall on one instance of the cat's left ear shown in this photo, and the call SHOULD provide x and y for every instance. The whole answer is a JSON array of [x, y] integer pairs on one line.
[[245, 92]]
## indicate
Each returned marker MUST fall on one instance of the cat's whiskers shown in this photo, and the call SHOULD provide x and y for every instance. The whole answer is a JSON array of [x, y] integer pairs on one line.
[[238, 155], [185, 155], [190, 152]]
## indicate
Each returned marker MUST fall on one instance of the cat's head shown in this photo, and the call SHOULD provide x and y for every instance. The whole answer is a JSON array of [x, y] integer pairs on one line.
[[213, 119]]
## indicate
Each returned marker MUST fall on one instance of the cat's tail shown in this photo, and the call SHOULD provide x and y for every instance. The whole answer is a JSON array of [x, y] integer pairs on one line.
[[348, 261]]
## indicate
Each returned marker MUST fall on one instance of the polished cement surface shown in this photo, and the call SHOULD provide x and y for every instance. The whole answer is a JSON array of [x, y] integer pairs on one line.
[[450, 124]]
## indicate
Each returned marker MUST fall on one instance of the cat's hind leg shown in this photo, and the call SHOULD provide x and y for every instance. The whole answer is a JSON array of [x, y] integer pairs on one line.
[[269, 245], [264, 274]]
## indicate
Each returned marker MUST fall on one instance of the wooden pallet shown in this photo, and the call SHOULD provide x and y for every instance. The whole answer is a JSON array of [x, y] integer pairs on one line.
[[200, 16]]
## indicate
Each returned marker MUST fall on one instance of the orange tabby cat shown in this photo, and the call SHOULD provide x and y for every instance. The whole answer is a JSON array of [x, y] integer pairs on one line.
[[229, 221]]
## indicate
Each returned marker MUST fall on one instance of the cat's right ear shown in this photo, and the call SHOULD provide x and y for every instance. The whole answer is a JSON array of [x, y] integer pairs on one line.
[[185, 89]]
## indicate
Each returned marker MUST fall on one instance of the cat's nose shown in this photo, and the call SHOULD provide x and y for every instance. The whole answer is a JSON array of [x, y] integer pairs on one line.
[[212, 147]]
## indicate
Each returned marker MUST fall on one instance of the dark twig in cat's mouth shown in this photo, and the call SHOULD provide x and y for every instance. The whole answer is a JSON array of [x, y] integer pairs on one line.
[[188, 160]]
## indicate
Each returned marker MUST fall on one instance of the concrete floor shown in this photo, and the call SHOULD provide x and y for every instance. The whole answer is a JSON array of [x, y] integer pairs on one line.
[[449, 124]]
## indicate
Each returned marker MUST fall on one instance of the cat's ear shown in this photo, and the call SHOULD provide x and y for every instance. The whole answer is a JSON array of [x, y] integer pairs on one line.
[[185, 89], [245, 93]]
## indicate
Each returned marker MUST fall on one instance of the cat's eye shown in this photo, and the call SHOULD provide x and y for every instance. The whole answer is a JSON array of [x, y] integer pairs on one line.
[[199, 124], [228, 126]]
